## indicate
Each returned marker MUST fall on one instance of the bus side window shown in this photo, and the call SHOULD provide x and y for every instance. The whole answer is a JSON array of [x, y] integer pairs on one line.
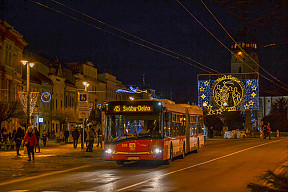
[[200, 125]]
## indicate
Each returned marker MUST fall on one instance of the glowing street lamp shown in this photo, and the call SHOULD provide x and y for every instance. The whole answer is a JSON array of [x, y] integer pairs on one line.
[[29, 64], [86, 84]]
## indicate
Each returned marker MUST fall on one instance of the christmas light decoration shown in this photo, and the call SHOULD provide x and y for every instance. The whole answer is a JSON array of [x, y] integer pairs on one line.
[[228, 93], [33, 101]]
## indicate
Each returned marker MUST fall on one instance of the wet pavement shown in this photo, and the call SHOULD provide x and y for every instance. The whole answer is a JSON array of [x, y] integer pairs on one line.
[[52, 157]]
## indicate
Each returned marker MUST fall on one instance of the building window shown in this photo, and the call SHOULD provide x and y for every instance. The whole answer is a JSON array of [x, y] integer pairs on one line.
[[240, 70]]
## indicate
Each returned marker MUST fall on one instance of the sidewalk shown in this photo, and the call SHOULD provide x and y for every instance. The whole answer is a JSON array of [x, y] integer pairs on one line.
[[53, 157]]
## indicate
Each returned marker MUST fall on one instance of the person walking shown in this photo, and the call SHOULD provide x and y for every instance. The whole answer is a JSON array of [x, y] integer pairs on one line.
[[75, 135], [18, 139], [37, 133], [66, 135], [30, 140], [268, 131], [44, 138], [91, 135], [99, 134]]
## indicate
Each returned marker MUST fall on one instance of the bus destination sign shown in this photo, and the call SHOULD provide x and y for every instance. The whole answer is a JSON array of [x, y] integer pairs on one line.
[[131, 108]]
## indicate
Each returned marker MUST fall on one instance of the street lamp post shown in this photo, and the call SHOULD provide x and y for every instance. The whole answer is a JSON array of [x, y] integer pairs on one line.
[[84, 119], [31, 64]]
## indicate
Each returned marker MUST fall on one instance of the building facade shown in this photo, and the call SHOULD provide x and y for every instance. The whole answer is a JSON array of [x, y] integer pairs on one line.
[[11, 50]]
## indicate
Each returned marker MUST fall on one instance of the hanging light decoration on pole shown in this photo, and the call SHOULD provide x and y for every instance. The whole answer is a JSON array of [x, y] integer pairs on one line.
[[28, 64]]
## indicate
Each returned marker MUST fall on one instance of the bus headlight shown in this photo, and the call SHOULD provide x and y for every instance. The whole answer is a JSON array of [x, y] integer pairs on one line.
[[109, 151], [158, 151]]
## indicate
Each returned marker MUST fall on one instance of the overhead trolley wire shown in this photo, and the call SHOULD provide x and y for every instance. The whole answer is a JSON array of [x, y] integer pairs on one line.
[[228, 48], [240, 46], [173, 56], [134, 36]]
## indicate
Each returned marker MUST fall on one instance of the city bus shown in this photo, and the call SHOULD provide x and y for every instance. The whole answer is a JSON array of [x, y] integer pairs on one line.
[[151, 130]]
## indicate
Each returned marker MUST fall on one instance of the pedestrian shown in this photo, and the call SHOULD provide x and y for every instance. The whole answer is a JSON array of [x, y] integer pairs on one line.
[[30, 140], [61, 136], [75, 135], [99, 135], [37, 133], [269, 131], [210, 132], [44, 138], [53, 134], [91, 135], [66, 135], [264, 131], [19, 135]]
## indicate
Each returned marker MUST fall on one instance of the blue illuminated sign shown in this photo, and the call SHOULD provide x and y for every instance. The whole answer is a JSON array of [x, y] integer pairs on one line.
[[46, 97]]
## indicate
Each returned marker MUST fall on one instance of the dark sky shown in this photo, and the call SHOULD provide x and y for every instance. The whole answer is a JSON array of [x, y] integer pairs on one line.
[[164, 23]]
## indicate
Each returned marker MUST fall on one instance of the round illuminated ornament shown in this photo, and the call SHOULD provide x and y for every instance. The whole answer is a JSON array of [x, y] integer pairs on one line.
[[46, 97], [228, 93]]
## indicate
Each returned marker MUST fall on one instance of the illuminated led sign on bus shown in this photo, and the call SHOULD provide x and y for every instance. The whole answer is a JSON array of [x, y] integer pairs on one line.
[[138, 108]]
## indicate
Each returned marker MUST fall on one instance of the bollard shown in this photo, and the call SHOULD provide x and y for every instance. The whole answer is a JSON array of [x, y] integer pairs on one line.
[[261, 134], [277, 133]]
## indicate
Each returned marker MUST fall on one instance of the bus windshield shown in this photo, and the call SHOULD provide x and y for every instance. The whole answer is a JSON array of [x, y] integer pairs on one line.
[[121, 127]]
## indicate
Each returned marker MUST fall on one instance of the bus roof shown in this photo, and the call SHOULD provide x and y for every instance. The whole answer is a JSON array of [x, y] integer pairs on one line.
[[181, 108]]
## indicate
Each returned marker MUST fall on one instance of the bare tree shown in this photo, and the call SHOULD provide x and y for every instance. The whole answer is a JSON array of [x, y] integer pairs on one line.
[[10, 109]]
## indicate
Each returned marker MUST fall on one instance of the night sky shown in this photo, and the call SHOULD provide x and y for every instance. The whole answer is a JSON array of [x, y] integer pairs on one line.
[[164, 23]]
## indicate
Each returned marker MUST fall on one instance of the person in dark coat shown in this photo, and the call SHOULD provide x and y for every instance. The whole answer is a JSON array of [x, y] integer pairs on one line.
[[66, 135], [44, 138], [91, 136], [19, 135], [75, 135], [37, 133], [30, 140]]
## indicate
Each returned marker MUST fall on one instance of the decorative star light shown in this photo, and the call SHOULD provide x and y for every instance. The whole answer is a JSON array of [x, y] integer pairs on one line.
[[202, 89], [253, 94], [206, 83], [203, 96], [251, 102], [254, 88], [249, 82], [246, 106]]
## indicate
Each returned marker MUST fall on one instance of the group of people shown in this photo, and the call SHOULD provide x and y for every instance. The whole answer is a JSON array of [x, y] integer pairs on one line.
[[89, 137], [29, 140], [267, 131]]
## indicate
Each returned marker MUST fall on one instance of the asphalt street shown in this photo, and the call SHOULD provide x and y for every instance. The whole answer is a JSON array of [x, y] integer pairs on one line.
[[222, 165]]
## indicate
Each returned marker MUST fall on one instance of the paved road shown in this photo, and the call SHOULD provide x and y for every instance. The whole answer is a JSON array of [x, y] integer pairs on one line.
[[222, 165]]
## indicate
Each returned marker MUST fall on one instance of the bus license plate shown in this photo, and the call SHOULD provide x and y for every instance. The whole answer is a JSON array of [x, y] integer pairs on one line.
[[132, 158]]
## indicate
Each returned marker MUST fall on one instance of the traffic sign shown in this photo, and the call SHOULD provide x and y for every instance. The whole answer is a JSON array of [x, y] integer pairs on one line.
[[83, 114], [82, 96]]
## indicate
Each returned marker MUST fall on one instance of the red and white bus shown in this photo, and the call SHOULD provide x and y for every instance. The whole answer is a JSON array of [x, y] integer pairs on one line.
[[151, 130]]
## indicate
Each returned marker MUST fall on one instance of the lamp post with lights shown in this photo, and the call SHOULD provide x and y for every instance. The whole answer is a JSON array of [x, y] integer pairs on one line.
[[86, 84], [29, 64]]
